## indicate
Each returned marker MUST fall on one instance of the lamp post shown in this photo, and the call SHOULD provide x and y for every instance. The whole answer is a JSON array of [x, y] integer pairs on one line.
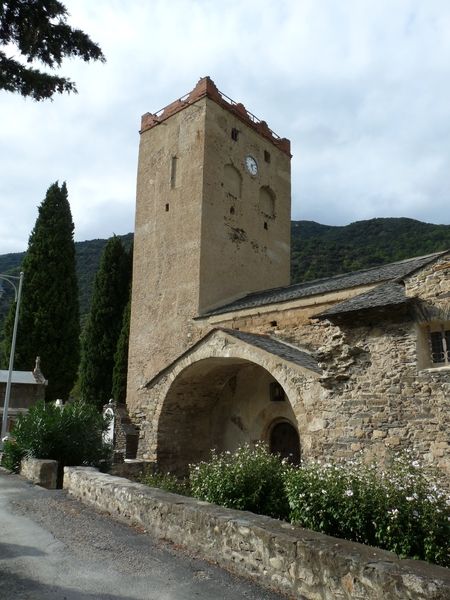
[[12, 279]]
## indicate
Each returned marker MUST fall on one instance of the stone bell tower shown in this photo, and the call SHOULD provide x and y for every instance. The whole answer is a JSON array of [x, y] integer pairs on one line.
[[212, 221]]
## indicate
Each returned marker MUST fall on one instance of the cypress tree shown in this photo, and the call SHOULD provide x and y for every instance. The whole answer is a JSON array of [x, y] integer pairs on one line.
[[119, 389], [49, 313], [102, 330]]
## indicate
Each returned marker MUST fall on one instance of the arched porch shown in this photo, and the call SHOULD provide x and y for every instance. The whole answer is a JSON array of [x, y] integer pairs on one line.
[[221, 403]]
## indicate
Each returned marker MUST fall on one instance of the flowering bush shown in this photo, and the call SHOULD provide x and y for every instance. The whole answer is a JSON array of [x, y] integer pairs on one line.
[[249, 479], [398, 509]]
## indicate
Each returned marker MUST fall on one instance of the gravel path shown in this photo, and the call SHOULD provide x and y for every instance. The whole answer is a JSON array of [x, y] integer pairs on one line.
[[53, 547]]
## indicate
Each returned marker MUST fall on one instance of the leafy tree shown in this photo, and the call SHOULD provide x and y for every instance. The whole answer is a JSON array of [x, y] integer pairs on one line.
[[39, 31], [119, 389], [49, 314], [101, 334]]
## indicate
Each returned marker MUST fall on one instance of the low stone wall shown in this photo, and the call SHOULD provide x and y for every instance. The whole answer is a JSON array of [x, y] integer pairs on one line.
[[274, 554], [40, 471]]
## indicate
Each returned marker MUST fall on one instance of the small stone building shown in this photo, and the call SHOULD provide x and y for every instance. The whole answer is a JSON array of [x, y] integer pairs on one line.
[[224, 351], [27, 388]]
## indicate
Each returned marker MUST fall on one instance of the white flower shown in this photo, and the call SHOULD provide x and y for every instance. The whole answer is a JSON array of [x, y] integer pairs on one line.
[[349, 493]]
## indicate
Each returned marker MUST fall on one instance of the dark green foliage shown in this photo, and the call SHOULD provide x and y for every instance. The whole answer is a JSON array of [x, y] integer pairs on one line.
[[10, 263], [6, 298], [165, 481], [12, 455], [119, 389], [72, 435], [49, 318], [323, 250], [104, 323], [38, 29], [249, 479], [88, 259], [87, 256], [317, 250]]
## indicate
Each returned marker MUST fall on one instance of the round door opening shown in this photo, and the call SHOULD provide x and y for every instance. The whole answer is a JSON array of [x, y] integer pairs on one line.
[[284, 440]]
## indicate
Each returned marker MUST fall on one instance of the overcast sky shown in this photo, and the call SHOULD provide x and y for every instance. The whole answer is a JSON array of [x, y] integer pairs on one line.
[[360, 87]]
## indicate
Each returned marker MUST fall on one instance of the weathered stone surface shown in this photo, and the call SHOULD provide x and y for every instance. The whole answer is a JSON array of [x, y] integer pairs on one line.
[[43, 472], [206, 236], [294, 560]]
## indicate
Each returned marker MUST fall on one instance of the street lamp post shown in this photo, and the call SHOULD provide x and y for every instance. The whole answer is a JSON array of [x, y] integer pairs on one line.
[[12, 279]]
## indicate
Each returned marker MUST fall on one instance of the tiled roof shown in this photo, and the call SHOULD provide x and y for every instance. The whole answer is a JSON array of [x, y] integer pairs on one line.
[[386, 294], [389, 272], [276, 347]]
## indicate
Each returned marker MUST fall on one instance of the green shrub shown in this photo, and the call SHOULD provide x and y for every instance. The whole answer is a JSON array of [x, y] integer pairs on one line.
[[72, 435], [249, 479], [165, 481], [399, 509], [12, 455]]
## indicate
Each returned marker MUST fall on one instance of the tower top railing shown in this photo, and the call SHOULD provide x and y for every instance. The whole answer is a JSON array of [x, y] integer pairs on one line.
[[207, 88]]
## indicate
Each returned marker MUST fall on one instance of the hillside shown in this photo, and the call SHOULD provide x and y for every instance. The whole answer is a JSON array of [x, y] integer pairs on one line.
[[325, 250], [317, 250]]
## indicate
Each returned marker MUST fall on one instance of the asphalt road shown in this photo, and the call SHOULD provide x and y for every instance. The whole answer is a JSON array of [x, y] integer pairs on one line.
[[54, 548]]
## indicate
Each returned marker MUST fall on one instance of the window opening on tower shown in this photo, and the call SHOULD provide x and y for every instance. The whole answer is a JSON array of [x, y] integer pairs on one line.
[[173, 172]]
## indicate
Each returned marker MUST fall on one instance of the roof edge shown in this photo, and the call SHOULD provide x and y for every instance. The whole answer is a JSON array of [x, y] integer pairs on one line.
[[229, 309], [226, 331]]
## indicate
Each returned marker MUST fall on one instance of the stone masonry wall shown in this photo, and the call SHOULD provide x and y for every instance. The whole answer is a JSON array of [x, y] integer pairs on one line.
[[374, 395], [43, 472], [185, 396], [431, 283], [296, 561]]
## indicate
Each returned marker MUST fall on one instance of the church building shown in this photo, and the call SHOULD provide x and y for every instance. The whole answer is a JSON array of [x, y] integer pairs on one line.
[[224, 351]]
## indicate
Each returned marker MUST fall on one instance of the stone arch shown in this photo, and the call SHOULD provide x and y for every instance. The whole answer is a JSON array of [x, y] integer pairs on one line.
[[267, 201], [232, 182], [216, 402]]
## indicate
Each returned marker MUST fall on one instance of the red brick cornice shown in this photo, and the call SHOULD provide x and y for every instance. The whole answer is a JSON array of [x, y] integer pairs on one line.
[[207, 88]]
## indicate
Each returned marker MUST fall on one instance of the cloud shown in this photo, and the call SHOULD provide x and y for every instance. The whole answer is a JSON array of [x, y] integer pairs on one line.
[[361, 87]]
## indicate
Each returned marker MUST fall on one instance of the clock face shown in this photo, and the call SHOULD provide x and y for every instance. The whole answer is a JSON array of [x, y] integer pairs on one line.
[[251, 165]]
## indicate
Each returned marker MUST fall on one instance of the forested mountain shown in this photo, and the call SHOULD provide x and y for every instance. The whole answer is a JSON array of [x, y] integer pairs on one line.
[[325, 250], [317, 250]]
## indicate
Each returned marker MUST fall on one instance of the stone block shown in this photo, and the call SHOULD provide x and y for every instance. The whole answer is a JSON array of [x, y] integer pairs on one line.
[[43, 472]]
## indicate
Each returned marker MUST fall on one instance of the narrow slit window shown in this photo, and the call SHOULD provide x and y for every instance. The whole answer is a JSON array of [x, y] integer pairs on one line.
[[173, 172], [167, 208], [267, 156], [234, 134], [265, 225]]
